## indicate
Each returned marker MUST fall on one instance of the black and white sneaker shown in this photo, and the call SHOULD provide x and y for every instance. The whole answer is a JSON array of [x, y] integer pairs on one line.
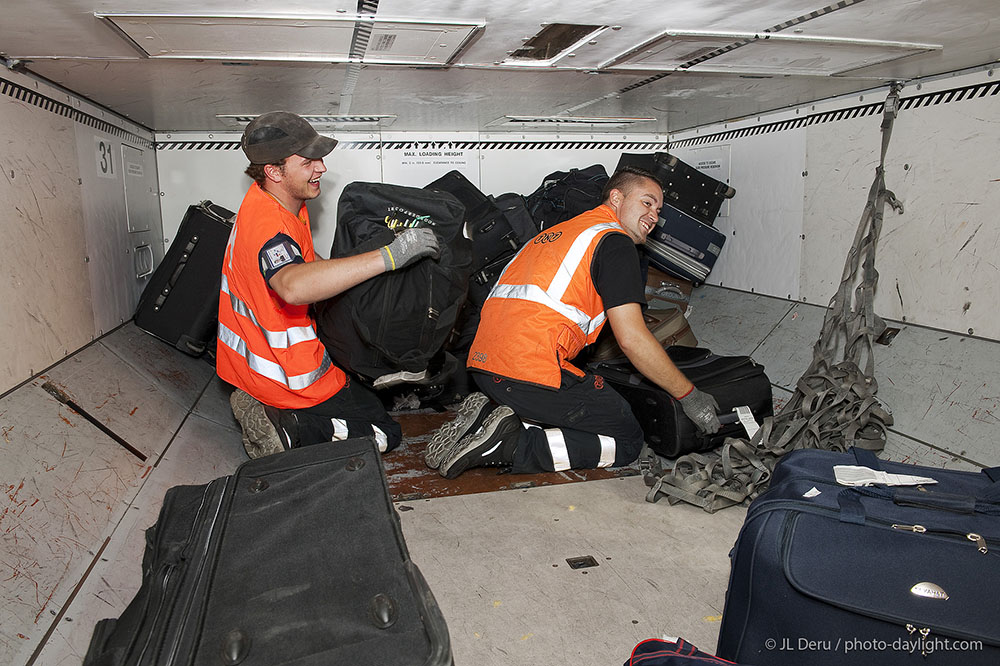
[[469, 416], [492, 444]]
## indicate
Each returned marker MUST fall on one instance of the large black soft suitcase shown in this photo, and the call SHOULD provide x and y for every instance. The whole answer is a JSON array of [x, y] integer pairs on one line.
[[825, 574], [733, 381], [687, 189], [683, 246], [297, 558], [395, 324], [180, 303]]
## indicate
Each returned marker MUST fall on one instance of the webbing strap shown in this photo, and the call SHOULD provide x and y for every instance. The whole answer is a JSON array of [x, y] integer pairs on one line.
[[834, 405]]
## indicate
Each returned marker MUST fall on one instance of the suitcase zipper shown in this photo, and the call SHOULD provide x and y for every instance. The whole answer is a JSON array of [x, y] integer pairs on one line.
[[971, 536], [981, 542], [919, 529]]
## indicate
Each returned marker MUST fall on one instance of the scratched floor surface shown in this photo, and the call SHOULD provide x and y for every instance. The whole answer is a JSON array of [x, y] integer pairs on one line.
[[88, 449]]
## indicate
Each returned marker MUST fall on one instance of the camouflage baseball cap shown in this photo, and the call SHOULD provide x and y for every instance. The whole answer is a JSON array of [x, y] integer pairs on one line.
[[276, 135]]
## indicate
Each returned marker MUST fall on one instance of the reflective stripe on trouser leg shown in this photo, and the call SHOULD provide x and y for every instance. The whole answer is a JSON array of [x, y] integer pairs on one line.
[[608, 451], [380, 438], [340, 431], [557, 449], [560, 451]]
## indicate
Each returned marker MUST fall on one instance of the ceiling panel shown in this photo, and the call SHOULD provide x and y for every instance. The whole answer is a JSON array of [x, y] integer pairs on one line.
[[457, 72], [302, 39], [749, 52]]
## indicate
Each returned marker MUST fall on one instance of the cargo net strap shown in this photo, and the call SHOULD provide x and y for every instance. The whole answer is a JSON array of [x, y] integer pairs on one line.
[[834, 405]]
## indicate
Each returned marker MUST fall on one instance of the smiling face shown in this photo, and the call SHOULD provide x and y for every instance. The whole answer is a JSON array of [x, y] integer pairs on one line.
[[296, 181], [637, 204]]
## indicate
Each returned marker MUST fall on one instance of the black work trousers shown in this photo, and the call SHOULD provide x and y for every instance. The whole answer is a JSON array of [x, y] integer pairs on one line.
[[354, 411], [582, 425]]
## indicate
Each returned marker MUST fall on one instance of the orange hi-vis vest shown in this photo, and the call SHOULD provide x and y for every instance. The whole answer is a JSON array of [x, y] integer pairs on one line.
[[545, 308], [268, 347]]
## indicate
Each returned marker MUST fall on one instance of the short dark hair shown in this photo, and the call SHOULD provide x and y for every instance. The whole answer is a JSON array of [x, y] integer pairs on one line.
[[625, 179], [256, 171]]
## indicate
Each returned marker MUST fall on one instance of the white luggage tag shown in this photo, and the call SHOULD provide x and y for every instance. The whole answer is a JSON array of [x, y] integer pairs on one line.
[[747, 419], [853, 475]]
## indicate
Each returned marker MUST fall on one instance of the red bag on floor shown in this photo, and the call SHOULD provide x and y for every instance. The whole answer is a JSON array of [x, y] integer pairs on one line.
[[656, 652]]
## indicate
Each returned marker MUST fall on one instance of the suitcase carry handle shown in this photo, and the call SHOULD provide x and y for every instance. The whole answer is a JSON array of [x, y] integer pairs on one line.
[[178, 269], [867, 458], [853, 511]]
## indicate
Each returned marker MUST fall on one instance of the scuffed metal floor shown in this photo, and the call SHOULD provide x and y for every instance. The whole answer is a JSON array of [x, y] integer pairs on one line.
[[493, 546]]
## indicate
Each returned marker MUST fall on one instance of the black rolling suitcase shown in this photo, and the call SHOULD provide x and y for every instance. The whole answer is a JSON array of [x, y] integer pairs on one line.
[[497, 227], [734, 381], [687, 189], [180, 304], [297, 558], [498, 230], [683, 246], [897, 575]]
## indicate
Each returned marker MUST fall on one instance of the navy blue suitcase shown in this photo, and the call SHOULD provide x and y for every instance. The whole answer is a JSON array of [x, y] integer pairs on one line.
[[825, 574], [682, 246]]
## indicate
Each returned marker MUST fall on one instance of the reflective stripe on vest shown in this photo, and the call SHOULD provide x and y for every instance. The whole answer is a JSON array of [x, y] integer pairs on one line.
[[275, 340], [270, 369], [552, 296]]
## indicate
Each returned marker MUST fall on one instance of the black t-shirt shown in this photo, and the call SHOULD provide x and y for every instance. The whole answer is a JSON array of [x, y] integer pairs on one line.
[[616, 271]]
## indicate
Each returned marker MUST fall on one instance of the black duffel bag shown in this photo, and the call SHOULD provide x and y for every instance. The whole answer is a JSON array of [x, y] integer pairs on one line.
[[394, 324], [565, 194]]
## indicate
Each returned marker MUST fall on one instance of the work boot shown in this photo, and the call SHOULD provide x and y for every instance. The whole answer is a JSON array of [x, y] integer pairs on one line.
[[259, 435], [492, 444], [469, 416]]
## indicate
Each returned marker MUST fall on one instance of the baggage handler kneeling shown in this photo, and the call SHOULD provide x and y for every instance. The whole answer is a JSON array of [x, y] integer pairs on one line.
[[549, 303], [288, 392]]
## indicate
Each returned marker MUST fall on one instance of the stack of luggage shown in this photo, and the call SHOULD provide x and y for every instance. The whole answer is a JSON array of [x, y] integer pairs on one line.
[[685, 242]]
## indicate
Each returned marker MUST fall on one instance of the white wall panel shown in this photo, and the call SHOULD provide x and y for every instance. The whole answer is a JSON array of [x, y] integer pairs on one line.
[[71, 270], [194, 167], [110, 245], [936, 261], [939, 260], [44, 288], [764, 221], [519, 163]]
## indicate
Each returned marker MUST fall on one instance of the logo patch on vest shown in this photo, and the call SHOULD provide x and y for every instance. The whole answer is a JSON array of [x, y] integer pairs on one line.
[[550, 237]]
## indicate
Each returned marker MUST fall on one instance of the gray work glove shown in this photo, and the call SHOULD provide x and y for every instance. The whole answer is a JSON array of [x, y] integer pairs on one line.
[[701, 408], [409, 246]]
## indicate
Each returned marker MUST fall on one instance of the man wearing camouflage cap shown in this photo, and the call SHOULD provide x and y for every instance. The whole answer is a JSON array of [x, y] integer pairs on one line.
[[288, 392]]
